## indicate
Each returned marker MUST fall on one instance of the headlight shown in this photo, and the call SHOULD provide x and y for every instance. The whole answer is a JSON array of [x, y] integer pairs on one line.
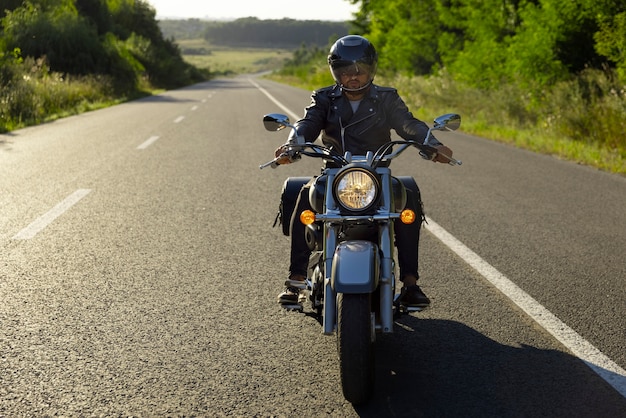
[[356, 189]]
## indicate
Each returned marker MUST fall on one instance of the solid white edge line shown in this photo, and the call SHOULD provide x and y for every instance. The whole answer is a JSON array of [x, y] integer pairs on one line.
[[148, 142], [597, 361], [47, 218], [279, 104], [602, 365]]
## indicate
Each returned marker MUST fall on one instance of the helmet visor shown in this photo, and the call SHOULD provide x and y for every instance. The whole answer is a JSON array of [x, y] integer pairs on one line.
[[345, 70]]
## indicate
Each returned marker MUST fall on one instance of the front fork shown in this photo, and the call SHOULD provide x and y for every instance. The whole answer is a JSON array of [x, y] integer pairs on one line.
[[386, 281], [329, 318]]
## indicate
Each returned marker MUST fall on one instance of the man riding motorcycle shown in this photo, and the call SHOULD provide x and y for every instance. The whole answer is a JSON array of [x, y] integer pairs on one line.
[[357, 116]]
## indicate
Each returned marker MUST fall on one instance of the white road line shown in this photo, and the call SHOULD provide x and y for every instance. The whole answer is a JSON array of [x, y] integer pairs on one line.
[[47, 218], [602, 365], [148, 142], [581, 348], [179, 119], [194, 108], [279, 104]]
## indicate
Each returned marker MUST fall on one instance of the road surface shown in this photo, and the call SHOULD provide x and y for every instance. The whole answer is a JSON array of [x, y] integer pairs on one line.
[[139, 274]]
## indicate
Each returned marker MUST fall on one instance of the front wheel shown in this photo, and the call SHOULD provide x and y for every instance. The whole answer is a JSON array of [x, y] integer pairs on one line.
[[355, 344]]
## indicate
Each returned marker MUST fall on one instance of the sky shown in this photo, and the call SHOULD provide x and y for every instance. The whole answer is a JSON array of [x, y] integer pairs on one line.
[[263, 9]]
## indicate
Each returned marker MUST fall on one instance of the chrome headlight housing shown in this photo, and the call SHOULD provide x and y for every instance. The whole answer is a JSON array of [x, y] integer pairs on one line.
[[356, 189]]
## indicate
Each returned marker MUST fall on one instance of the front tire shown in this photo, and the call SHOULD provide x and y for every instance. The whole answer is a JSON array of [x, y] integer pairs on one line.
[[355, 346]]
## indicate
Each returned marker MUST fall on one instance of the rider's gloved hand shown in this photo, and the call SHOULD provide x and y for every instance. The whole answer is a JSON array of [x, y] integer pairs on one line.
[[285, 155], [443, 154]]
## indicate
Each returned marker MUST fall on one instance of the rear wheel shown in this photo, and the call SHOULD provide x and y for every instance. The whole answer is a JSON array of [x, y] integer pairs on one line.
[[355, 344]]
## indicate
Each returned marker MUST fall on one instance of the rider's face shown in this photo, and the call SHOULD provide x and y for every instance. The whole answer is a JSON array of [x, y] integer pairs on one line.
[[353, 78]]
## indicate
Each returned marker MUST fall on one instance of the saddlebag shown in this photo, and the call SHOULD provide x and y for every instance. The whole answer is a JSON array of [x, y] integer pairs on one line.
[[288, 198]]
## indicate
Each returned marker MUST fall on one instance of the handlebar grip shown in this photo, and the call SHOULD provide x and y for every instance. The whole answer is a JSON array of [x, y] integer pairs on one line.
[[272, 164]]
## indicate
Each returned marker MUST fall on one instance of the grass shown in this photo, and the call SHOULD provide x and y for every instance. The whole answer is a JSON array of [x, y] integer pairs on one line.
[[31, 94], [226, 61], [561, 121]]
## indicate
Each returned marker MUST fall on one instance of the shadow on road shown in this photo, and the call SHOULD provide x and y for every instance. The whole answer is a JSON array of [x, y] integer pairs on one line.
[[6, 139], [440, 368]]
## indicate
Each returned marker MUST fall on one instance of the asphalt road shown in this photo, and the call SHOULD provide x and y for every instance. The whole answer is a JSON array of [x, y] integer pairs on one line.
[[139, 272]]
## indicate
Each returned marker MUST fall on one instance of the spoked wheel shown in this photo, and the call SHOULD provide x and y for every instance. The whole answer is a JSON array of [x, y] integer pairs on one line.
[[355, 343]]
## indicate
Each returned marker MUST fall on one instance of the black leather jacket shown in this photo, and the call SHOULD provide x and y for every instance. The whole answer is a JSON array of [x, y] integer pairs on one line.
[[381, 110]]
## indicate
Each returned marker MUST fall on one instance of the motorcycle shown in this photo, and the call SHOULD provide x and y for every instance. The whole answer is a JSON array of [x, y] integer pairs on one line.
[[351, 280]]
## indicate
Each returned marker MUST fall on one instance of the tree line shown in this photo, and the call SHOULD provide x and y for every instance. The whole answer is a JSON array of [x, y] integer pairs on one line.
[[254, 32], [118, 39], [490, 42]]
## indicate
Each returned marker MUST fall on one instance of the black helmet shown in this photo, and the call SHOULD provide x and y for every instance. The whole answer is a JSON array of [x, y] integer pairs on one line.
[[352, 53]]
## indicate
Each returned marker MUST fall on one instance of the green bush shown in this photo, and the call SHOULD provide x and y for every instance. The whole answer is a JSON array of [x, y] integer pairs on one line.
[[611, 41], [590, 109], [67, 41], [63, 56], [582, 119], [30, 93]]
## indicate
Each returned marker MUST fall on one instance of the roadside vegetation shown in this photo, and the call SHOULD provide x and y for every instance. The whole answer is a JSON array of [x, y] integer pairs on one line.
[[61, 57], [546, 75]]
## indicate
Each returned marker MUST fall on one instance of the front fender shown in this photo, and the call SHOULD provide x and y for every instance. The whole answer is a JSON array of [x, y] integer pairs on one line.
[[355, 267]]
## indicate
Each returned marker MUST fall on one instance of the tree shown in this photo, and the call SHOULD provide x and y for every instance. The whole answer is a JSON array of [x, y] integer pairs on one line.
[[488, 42], [611, 41], [405, 41], [67, 41]]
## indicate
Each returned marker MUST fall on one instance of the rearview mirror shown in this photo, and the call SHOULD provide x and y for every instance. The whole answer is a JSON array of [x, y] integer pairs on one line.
[[275, 121], [447, 122]]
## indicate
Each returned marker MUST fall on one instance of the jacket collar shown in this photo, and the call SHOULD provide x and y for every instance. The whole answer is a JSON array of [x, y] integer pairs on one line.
[[371, 94]]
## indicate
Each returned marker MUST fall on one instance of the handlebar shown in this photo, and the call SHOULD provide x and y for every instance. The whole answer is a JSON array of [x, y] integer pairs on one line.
[[272, 164], [293, 150], [320, 151]]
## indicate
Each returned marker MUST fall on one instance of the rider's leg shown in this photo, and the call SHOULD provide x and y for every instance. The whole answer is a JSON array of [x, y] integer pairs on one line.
[[300, 252], [407, 243]]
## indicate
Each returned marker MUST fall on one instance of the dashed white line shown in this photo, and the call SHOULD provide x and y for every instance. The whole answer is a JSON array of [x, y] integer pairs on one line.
[[148, 142], [47, 218], [179, 119], [602, 365]]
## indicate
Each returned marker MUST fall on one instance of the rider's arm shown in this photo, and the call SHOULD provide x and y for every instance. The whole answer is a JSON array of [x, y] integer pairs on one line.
[[309, 128], [314, 119]]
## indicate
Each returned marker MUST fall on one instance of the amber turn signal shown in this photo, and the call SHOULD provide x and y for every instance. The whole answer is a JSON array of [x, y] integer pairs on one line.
[[407, 216], [307, 217]]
